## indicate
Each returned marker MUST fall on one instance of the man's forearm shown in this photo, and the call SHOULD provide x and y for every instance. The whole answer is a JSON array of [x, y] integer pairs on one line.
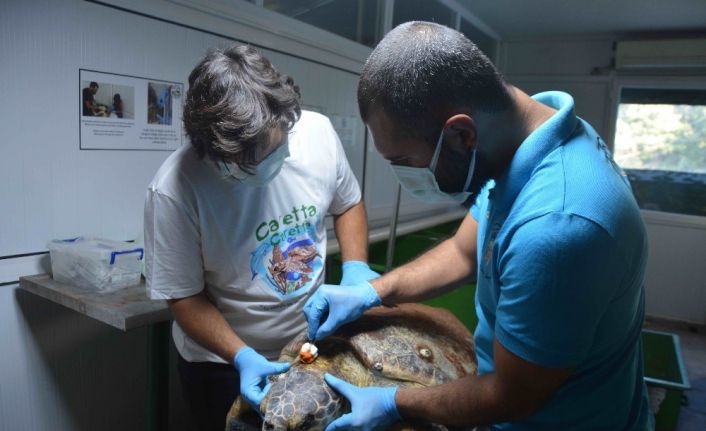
[[514, 390], [466, 402], [470, 401], [205, 324], [352, 233], [436, 271]]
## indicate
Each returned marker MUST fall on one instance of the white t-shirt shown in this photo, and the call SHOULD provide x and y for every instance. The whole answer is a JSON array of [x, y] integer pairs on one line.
[[257, 251]]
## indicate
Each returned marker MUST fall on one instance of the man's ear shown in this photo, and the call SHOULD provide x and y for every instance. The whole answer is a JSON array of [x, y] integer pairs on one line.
[[461, 128]]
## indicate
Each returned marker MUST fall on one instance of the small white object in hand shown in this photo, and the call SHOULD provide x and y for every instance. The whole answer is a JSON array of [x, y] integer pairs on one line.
[[308, 353]]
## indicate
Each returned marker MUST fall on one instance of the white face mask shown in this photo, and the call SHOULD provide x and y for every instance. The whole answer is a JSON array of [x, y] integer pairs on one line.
[[263, 172], [422, 184]]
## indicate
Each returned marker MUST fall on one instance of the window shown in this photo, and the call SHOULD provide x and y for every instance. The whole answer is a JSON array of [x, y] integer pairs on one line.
[[353, 19], [363, 21], [482, 40], [422, 10], [660, 141]]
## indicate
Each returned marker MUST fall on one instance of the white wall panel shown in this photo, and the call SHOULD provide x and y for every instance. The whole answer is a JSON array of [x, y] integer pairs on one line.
[[591, 96], [56, 190], [577, 57], [676, 275], [63, 371]]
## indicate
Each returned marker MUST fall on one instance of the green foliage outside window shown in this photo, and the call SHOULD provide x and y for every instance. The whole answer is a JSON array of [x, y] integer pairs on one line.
[[663, 137], [662, 147]]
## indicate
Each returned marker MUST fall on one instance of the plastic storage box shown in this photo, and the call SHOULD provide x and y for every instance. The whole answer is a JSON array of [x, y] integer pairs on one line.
[[95, 263]]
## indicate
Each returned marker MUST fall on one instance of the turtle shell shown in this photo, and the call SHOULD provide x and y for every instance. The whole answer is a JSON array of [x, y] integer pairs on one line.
[[410, 343], [407, 345]]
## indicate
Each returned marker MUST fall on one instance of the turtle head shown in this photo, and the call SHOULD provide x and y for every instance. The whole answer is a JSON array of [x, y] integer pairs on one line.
[[301, 400]]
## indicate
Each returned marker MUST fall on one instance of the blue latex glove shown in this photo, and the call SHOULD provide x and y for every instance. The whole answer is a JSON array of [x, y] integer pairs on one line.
[[372, 408], [254, 369], [355, 271], [332, 306]]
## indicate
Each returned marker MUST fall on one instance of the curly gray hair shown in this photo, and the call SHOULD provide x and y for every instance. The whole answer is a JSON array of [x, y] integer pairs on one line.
[[235, 98]]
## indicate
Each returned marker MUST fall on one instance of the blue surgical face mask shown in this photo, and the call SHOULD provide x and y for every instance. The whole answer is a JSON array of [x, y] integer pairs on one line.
[[421, 182], [263, 172]]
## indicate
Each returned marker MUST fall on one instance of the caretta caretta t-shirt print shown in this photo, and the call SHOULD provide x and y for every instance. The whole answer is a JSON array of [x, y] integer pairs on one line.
[[257, 252]]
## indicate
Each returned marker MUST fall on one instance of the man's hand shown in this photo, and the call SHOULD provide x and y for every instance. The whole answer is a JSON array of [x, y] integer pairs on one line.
[[254, 369], [355, 271], [372, 408], [332, 306]]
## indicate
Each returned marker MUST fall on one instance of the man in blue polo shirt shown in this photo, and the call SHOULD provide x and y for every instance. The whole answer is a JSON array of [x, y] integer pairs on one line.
[[554, 239]]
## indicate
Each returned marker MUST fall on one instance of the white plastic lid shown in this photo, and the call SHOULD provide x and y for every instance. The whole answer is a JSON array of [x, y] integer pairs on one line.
[[96, 248]]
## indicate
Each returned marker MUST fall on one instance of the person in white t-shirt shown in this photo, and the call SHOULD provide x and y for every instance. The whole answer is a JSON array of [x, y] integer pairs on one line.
[[235, 237]]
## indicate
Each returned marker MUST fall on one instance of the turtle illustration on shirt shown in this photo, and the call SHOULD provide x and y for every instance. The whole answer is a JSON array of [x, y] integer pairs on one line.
[[290, 269]]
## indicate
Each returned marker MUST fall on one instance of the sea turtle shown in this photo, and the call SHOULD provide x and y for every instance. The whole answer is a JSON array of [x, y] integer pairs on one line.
[[405, 345], [296, 262]]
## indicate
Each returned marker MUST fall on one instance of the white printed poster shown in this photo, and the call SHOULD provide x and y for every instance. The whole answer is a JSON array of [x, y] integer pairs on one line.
[[121, 112], [346, 127]]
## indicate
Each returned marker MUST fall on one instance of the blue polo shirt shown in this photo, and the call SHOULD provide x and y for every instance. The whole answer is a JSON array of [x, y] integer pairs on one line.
[[561, 259]]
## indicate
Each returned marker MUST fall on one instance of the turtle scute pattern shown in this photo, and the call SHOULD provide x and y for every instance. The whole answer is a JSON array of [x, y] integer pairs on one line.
[[410, 345], [292, 405]]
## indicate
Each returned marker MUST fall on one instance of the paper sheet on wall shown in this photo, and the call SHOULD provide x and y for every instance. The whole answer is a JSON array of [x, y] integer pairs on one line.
[[346, 127], [120, 112]]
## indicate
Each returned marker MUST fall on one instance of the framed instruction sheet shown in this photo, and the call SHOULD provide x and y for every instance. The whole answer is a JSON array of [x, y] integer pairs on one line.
[[121, 112]]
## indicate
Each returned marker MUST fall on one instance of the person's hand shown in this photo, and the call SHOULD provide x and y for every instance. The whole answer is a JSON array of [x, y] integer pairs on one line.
[[254, 369], [372, 408], [332, 306], [355, 271]]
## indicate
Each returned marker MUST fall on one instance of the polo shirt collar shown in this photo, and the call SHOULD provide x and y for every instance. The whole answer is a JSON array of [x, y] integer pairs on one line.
[[542, 141]]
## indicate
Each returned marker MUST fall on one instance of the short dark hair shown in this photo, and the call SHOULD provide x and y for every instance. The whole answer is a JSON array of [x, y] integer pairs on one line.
[[421, 70], [93, 84], [235, 97]]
